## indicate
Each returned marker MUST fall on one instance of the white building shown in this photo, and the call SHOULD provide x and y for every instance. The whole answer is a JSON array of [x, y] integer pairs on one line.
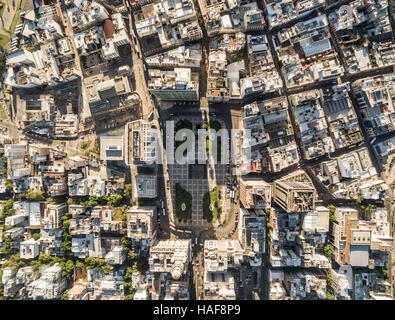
[[29, 249]]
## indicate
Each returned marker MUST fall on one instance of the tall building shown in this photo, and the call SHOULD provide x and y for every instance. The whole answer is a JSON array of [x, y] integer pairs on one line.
[[179, 84], [220, 256], [141, 225], [255, 193], [142, 140], [171, 256], [339, 232], [51, 214], [252, 235], [294, 196], [111, 148]]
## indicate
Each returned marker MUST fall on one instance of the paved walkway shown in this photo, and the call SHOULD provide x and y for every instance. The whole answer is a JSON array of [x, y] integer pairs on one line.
[[8, 14]]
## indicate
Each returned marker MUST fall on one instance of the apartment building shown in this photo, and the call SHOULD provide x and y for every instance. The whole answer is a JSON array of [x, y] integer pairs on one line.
[[142, 139], [294, 196], [220, 256], [179, 84], [255, 193], [170, 256], [141, 225], [252, 235]]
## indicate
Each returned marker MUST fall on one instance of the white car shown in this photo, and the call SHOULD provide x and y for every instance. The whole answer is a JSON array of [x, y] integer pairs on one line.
[[164, 212]]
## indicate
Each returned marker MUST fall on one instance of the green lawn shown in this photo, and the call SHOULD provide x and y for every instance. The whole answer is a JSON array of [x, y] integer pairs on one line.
[[182, 124], [216, 126], [212, 198], [2, 7], [15, 18], [3, 114], [213, 124], [3, 40], [183, 203]]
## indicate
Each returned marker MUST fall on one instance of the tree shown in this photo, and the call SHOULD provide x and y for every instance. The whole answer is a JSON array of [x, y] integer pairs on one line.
[[141, 265], [127, 193], [126, 243], [131, 255], [114, 201], [328, 251], [66, 237], [46, 260], [1, 286], [14, 262], [129, 272], [331, 208], [93, 201], [8, 209], [107, 268], [370, 207], [9, 185], [7, 250], [359, 199], [131, 295], [84, 145], [240, 56], [330, 296], [329, 280], [34, 195], [68, 269], [96, 147], [36, 236], [65, 295], [97, 264], [2, 62]]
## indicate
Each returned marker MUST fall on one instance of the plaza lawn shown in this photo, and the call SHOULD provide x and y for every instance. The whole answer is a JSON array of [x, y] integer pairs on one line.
[[182, 124], [213, 197], [216, 126], [15, 18], [3, 114], [213, 124], [3, 40], [183, 197]]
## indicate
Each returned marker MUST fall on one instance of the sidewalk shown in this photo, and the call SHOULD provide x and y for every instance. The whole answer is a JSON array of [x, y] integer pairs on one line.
[[8, 15]]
